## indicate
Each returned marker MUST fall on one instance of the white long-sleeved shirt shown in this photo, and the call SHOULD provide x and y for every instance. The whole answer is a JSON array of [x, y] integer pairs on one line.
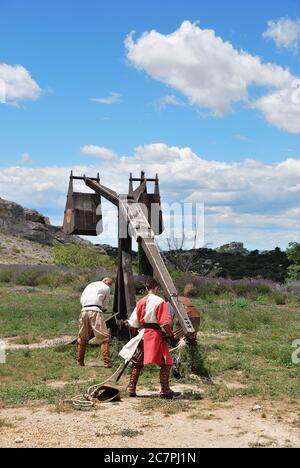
[[95, 294]]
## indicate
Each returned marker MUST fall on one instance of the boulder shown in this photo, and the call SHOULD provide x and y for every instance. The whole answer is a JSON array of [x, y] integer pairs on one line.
[[32, 225]]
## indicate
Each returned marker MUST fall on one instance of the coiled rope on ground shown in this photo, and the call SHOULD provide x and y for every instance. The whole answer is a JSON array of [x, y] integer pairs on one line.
[[87, 400]]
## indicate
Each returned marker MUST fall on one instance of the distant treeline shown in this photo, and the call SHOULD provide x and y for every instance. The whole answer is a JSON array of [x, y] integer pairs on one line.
[[271, 265]]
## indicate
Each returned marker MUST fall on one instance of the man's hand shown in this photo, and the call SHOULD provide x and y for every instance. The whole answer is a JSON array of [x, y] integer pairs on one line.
[[133, 332], [173, 341]]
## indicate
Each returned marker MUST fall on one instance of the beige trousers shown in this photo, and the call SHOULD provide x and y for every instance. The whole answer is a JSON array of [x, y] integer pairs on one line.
[[91, 321]]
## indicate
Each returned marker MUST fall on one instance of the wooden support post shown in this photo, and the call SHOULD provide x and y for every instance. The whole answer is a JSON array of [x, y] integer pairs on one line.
[[145, 267], [124, 299]]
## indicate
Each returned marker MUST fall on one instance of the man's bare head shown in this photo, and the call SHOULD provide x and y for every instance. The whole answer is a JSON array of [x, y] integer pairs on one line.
[[108, 281], [152, 286]]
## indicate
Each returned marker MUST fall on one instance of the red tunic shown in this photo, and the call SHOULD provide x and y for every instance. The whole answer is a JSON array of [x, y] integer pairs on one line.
[[152, 309]]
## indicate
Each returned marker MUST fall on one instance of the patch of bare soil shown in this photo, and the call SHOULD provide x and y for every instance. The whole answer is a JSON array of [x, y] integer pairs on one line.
[[11, 344], [219, 335], [125, 424]]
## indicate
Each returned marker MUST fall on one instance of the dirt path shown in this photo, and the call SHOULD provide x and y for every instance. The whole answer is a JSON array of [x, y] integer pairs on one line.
[[130, 424], [62, 340]]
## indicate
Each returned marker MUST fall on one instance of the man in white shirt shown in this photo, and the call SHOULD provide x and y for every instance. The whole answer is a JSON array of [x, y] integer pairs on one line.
[[94, 301]]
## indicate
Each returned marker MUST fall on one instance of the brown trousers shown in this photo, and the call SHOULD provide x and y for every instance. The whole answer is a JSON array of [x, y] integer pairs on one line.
[[90, 322]]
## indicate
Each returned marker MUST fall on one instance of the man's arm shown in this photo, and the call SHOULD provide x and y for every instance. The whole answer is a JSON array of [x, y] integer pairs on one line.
[[133, 323], [165, 320], [133, 320], [105, 301], [133, 332]]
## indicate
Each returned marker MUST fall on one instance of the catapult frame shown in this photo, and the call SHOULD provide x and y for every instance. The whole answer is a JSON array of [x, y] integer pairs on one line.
[[140, 218]]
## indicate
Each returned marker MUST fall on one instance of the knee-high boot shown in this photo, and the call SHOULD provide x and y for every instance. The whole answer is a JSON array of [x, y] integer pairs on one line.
[[165, 379], [166, 391], [81, 348], [105, 354], [134, 377]]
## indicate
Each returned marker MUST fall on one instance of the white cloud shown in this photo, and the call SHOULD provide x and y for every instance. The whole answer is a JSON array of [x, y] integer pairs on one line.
[[25, 159], [249, 201], [17, 84], [169, 100], [112, 99], [282, 108], [99, 152], [285, 33], [210, 72]]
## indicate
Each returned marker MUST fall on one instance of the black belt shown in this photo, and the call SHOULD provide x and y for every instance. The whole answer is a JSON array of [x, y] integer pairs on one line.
[[151, 326], [93, 305]]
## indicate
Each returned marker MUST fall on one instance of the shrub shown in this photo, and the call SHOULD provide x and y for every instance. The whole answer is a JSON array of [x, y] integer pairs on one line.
[[5, 276], [27, 278], [208, 286], [81, 256], [177, 274], [293, 288], [280, 298], [190, 290], [54, 280], [264, 289], [194, 359], [139, 284], [294, 272], [251, 288], [79, 287], [293, 253]]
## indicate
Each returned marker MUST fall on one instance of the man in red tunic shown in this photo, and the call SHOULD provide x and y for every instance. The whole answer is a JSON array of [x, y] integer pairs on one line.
[[150, 314]]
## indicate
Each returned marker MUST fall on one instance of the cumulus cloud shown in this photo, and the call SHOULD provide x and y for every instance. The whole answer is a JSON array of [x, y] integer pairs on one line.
[[206, 69], [17, 85], [99, 152], [282, 108], [250, 201], [209, 71], [285, 33], [112, 99]]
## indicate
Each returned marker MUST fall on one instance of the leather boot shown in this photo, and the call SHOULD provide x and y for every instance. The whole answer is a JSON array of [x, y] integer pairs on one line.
[[166, 392], [134, 377], [81, 347], [105, 354]]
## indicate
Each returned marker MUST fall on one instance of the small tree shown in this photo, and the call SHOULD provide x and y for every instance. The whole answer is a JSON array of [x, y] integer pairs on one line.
[[293, 253]]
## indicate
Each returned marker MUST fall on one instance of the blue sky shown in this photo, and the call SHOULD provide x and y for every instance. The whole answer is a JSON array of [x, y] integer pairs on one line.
[[74, 51]]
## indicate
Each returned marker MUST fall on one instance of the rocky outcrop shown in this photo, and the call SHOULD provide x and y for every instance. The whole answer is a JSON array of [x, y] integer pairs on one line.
[[233, 248], [30, 224]]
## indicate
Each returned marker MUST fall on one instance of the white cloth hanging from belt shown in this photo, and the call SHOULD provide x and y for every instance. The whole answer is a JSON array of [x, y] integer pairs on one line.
[[129, 349]]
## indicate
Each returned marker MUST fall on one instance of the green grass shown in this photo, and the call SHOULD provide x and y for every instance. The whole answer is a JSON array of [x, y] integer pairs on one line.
[[251, 343], [5, 276], [243, 341], [37, 314], [31, 375]]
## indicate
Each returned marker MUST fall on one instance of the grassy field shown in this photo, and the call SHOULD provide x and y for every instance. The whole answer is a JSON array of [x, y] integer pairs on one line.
[[32, 316], [246, 347]]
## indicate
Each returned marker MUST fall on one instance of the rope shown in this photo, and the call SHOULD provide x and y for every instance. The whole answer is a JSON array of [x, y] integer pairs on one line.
[[181, 345], [87, 400]]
